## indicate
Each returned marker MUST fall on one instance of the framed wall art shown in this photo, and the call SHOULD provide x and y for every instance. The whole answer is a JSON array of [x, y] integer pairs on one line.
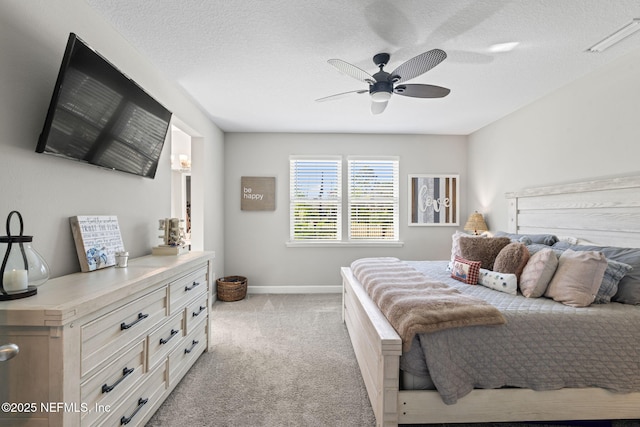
[[433, 199], [258, 193]]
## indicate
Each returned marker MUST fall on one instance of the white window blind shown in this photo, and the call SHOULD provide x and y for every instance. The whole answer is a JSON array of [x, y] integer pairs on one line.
[[373, 199], [316, 199]]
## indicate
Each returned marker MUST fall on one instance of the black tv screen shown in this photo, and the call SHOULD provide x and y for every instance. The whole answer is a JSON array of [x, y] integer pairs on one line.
[[99, 116]]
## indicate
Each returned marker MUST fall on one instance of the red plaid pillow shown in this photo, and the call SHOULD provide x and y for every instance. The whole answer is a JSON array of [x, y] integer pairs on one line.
[[466, 271]]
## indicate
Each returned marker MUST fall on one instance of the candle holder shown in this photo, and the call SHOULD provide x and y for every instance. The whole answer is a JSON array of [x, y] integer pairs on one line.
[[23, 269]]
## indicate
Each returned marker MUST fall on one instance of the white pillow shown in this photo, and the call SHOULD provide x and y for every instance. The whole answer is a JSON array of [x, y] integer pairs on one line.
[[455, 247], [503, 282], [569, 239]]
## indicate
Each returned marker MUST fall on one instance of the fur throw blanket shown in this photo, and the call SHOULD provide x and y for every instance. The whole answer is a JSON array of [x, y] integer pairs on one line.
[[415, 304]]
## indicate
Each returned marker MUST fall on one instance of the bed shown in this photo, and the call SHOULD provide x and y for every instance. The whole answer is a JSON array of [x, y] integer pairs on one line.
[[605, 212]]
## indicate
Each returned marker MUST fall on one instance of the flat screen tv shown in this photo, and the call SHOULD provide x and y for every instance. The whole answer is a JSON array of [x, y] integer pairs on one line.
[[98, 115]]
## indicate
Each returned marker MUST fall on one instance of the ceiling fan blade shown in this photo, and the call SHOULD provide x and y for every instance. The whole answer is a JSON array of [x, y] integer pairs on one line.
[[378, 107], [419, 65], [352, 70], [340, 95], [422, 91]]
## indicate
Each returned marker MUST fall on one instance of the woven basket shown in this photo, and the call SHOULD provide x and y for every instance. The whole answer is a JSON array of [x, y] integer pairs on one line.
[[231, 288]]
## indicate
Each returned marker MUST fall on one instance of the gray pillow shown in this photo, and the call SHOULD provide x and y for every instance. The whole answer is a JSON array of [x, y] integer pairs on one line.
[[527, 239], [612, 275], [629, 287]]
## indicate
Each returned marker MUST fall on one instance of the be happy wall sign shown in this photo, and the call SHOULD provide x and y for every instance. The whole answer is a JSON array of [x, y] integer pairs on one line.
[[257, 193]]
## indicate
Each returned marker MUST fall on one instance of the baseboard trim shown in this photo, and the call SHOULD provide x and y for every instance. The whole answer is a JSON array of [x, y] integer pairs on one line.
[[294, 289]]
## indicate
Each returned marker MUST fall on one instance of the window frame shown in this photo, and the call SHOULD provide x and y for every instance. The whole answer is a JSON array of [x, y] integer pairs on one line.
[[343, 219], [329, 201], [390, 164]]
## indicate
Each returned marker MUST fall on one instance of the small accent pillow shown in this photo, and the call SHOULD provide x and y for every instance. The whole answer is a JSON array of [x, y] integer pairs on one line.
[[466, 271], [612, 275], [512, 259], [538, 272], [503, 282], [578, 277], [483, 249]]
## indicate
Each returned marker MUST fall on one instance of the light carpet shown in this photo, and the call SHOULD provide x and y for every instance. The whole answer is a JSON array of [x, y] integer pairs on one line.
[[283, 360], [277, 360]]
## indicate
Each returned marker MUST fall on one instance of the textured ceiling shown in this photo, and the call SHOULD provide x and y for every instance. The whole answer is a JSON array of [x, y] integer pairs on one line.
[[259, 65]]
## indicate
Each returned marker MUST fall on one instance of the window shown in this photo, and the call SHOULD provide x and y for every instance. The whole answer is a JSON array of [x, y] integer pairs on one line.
[[316, 202], [373, 199], [316, 199]]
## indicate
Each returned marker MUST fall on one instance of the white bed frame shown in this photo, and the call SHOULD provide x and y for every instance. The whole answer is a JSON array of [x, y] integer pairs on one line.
[[604, 211]]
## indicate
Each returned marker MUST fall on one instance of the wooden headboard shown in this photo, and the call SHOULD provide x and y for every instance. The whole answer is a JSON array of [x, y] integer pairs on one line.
[[604, 211]]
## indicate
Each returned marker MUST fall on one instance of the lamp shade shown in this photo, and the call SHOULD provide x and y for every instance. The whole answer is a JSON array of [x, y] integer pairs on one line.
[[476, 223]]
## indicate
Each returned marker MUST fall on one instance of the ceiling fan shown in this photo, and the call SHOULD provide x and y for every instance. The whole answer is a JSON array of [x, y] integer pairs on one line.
[[383, 84]]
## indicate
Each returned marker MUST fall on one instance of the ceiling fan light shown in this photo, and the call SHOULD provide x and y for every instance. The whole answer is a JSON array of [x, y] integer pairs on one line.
[[380, 96]]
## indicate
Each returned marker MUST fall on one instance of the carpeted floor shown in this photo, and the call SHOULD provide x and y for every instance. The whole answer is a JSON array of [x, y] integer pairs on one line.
[[277, 360], [282, 360]]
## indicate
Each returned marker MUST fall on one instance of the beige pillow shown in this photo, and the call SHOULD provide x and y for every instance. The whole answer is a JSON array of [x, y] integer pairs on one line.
[[578, 277], [512, 259], [538, 272], [483, 249]]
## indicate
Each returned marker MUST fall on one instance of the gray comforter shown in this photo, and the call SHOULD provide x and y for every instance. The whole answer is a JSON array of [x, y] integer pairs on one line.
[[544, 345]]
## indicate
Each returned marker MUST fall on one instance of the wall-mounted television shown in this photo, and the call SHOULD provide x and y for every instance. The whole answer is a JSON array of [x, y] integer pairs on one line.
[[98, 115]]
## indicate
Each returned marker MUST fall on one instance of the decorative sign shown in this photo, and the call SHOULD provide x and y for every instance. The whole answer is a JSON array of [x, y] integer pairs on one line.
[[433, 199], [258, 193], [97, 240]]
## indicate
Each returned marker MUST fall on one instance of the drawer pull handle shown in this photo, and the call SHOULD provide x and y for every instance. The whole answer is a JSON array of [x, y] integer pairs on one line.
[[141, 317], [127, 420], [173, 333], [194, 343], [199, 311], [125, 373], [187, 288]]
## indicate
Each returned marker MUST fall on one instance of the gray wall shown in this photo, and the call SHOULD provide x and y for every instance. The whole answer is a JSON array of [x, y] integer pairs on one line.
[[255, 242], [587, 129], [48, 190]]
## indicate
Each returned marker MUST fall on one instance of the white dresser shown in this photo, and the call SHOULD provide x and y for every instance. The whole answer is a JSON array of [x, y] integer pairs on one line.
[[105, 348]]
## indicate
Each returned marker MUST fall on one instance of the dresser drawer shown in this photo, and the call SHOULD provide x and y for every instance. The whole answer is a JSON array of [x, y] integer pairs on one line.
[[196, 312], [184, 289], [108, 386], [105, 336], [141, 401], [163, 339], [192, 346]]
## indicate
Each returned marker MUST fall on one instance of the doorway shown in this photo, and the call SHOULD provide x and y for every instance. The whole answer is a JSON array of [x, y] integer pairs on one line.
[[181, 178]]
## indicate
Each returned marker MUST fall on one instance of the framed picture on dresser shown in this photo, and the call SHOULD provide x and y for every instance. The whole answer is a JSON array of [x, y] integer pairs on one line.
[[97, 239]]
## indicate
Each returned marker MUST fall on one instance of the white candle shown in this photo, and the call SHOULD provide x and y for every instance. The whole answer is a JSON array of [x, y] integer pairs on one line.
[[15, 280]]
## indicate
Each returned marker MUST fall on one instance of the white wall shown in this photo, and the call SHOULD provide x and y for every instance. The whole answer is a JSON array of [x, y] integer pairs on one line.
[[588, 129], [255, 241], [48, 190]]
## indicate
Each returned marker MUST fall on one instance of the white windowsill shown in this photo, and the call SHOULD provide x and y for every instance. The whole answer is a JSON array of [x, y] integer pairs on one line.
[[350, 244]]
